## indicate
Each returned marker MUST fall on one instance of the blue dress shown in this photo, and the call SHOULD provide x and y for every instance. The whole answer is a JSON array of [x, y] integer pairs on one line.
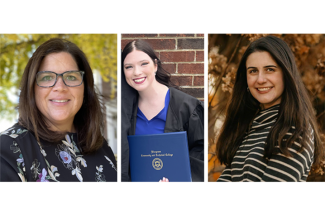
[[154, 126]]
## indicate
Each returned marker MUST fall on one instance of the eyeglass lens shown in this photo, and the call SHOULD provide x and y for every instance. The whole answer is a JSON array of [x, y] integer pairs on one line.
[[47, 79]]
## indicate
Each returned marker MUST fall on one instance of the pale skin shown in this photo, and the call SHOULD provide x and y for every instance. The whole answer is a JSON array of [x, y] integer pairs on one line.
[[59, 104], [264, 79], [139, 70], [137, 65]]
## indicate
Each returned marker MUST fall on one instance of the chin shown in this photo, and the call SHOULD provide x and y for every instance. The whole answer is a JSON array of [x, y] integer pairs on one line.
[[140, 88], [60, 118], [263, 100]]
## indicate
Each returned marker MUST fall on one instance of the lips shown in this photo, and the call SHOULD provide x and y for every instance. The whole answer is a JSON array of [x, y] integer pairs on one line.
[[139, 80], [56, 100], [60, 102], [263, 90]]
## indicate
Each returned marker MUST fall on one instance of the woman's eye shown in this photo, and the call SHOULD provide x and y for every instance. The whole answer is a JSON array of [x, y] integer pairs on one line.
[[71, 78], [253, 71], [128, 67], [143, 64], [269, 69], [47, 78]]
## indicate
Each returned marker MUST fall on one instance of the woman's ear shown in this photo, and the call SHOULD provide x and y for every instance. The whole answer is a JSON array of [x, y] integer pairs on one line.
[[156, 65]]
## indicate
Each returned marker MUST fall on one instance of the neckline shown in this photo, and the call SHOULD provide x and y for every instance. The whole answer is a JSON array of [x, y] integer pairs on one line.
[[277, 106], [160, 112], [267, 115]]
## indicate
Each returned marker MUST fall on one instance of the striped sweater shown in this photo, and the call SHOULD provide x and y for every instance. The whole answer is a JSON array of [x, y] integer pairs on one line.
[[249, 164]]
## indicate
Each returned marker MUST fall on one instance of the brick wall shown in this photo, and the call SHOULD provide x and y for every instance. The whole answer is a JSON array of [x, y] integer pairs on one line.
[[182, 55]]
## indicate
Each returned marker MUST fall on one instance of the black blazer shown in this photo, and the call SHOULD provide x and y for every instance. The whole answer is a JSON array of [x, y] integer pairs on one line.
[[185, 113]]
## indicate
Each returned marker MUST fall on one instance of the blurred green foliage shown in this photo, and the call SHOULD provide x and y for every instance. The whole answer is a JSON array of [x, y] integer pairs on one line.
[[16, 49]]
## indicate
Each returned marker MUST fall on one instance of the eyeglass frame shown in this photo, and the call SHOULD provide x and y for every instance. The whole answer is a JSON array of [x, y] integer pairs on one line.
[[56, 78]]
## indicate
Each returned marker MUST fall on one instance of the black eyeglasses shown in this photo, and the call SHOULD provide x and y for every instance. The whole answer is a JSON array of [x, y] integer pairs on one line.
[[49, 79]]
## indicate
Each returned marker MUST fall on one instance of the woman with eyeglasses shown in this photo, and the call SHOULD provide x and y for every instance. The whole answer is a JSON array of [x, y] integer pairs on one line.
[[58, 135]]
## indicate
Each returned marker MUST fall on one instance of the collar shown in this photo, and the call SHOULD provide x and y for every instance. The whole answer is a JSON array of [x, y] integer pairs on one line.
[[173, 124], [266, 117]]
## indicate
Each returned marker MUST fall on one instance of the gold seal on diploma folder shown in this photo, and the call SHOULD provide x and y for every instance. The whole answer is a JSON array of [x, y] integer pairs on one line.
[[157, 164]]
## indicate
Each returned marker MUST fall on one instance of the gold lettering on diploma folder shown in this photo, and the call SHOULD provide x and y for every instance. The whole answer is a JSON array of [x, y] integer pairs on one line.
[[155, 153]]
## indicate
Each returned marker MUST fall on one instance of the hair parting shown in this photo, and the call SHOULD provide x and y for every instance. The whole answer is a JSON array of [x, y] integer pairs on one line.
[[162, 76]]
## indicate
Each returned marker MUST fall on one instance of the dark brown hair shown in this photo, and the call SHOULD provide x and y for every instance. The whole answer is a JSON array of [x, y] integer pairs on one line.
[[162, 75], [295, 107], [89, 120]]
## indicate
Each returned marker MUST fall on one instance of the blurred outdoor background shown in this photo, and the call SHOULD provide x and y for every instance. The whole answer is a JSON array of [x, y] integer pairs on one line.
[[101, 51], [224, 54]]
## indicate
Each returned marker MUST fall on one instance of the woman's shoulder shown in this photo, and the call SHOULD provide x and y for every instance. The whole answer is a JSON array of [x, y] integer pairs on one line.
[[184, 106], [180, 98], [15, 132], [12, 139]]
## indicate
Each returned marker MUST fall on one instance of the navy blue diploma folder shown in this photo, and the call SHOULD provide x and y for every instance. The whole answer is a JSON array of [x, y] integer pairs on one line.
[[155, 156]]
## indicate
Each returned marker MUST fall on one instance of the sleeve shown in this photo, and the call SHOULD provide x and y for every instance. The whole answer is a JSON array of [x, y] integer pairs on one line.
[[110, 156], [195, 134], [226, 175], [12, 167], [293, 168], [129, 99]]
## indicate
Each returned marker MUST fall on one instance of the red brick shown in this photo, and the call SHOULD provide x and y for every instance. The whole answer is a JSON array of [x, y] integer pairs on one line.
[[200, 56], [158, 44], [195, 92], [176, 35], [197, 43], [198, 80], [200, 35], [171, 68], [182, 80], [138, 35], [124, 42], [189, 68], [182, 56]]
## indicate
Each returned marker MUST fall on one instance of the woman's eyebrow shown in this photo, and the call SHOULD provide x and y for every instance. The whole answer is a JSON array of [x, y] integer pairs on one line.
[[251, 67], [131, 63], [127, 64], [270, 66]]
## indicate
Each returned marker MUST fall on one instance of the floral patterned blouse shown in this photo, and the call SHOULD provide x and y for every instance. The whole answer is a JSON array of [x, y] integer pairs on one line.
[[24, 159]]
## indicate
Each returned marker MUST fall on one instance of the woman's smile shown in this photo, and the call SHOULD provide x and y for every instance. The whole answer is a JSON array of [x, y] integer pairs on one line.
[[264, 78], [59, 104], [264, 89], [139, 70], [139, 80]]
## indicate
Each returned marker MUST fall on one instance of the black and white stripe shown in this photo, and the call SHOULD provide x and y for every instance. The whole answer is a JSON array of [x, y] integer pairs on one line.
[[250, 165]]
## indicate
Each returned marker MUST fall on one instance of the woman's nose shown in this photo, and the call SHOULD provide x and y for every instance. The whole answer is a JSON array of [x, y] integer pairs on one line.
[[59, 85], [261, 78], [137, 71]]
